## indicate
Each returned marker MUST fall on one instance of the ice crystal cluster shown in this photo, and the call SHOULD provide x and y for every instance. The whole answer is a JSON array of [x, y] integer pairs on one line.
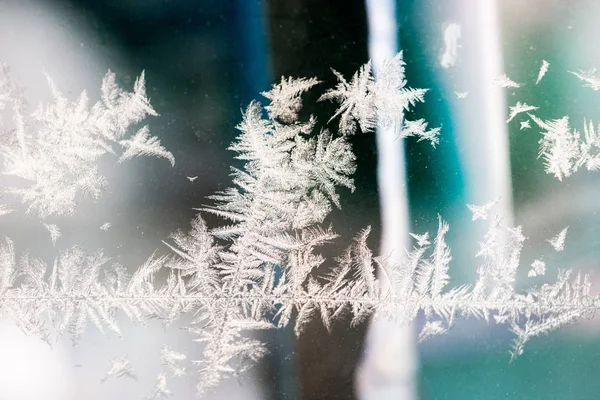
[[262, 268]]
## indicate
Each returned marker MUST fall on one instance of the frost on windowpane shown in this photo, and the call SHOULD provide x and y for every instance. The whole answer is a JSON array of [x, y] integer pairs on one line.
[[55, 149], [558, 241], [261, 267], [120, 368], [519, 108], [505, 82], [543, 69], [589, 78]]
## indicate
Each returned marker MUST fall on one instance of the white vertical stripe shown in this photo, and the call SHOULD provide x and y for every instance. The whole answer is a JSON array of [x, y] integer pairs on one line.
[[388, 366]]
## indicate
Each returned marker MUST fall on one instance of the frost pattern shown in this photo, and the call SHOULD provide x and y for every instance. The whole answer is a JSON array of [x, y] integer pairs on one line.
[[519, 108], [543, 69], [589, 78], [172, 360], [120, 368], [505, 82], [422, 240], [161, 390], [558, 241], [563, 148], [54, 232], [261, 268], [55, 150], [369, 100], [481, 212], [538, 267], [142, 144]]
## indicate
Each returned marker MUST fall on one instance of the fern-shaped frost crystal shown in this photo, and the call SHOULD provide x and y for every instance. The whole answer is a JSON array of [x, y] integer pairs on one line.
[[55, 150], [368, 100], [261, 269], [565, 150]]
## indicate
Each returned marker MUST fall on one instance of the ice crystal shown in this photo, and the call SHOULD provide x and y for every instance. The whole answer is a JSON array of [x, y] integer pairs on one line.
[[525, 125], [120, 368], [55, 150], [461, 95], [105, 226], [261, 268], [161, 390], [172, 360], [369, 100], [143, 144], [54, 232], [418, 128], [285, 98], [5, 209], [422, 240], [481, 212], [558, 241], [543, 69], [432, 328], [589, 77], [538, 267], [559, 147], [505, 82], [519, 108]]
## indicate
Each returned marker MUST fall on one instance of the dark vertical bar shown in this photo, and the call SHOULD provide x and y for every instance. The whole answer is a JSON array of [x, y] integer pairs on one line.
[[308, 37]]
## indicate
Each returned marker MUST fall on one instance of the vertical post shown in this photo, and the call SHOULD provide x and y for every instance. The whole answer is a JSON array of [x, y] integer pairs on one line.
[[388, 366]]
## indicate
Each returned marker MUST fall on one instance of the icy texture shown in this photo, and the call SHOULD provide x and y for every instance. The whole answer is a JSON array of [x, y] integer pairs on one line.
[[261, 269]]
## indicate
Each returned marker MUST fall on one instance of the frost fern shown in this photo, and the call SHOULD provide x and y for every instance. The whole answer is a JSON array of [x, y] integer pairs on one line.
[[262, 268]]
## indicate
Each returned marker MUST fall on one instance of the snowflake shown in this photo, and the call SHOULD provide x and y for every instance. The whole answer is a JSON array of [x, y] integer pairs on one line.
[[54, 232], [120, 368]]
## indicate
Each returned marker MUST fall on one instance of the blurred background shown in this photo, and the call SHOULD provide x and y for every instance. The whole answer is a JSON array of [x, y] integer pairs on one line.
[[206, 60]]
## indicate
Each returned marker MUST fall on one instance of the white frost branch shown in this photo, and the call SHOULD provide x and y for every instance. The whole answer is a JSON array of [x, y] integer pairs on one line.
[[54, 232], [558, 241], [481, 212], [120, 368], [519, 108], [262, 268], [589, 77], [505, 82], [142, 144], [543, 69]]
